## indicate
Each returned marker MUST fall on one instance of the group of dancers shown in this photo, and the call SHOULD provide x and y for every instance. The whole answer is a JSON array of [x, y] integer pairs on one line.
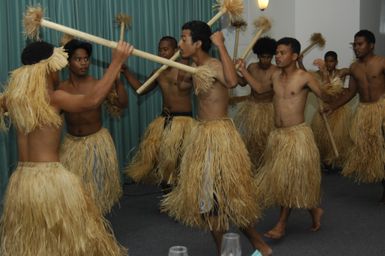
[[215, 172]]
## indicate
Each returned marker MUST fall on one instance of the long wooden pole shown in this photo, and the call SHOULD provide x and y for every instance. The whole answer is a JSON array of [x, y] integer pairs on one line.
[[112, 44], [173, 58], [247, 51], [329, 131]]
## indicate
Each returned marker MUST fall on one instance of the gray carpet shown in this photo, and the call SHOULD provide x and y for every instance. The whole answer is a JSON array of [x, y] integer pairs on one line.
[[353, 224]]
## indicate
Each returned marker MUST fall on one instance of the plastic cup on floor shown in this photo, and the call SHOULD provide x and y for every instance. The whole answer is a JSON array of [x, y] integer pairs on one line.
[[177, 250], [231, 245]]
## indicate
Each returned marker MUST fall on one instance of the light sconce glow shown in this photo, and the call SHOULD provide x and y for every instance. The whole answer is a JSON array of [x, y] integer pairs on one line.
[[262, 4]]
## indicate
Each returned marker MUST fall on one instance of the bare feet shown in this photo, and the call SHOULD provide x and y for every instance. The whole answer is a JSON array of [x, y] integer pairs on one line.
[[316, 215], [266, 251], [276, 233], [262, 247]]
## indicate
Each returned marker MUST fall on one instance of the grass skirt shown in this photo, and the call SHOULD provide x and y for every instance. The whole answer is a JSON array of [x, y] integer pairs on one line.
[[170, 152], [255, 120], [290, 175], [160, 151], [339, 122], [93, 158], [366, 158], [215, 185], [47, 212]]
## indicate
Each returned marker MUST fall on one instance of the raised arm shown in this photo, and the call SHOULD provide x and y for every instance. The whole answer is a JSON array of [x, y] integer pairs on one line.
[[79, 103], [134, 82], [230, 74], [345, 96], [254, 83]]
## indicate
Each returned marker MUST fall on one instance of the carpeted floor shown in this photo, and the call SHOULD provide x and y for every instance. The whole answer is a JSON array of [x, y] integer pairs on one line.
[[353, 224]]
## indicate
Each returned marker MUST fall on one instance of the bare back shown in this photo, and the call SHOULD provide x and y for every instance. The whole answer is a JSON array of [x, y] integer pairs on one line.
[[290, 97], [176, 89], [263, 76], [369, 78], [82, 123], [214, 103], [40, 145]]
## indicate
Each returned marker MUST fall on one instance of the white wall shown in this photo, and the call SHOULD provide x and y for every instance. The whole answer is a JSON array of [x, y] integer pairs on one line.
[[337, 21], [372, 12]]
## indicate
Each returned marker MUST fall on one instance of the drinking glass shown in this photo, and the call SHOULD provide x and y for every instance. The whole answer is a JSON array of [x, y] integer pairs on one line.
[[231, 245]]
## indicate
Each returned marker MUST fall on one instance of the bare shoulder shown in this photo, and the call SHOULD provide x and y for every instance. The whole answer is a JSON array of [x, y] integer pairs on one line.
[[276, 73], [216, 66], [252, 66], [303, 73], [273, 69], [214, 63]]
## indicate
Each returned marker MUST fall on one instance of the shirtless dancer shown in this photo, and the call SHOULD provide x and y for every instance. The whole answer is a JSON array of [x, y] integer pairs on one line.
[[160, 150], [88, 148], [290, 175], [46, 209], [366, 158], [215, 187], [338, 121], [255, 116]]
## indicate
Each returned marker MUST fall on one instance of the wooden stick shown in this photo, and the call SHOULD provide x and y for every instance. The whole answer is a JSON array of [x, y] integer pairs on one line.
[[315, 39], [122, 27], [324, 117], [264, 25], [233, 7], [112, 44], [236, 43], [156, 74], [250, 46], [173, 58]]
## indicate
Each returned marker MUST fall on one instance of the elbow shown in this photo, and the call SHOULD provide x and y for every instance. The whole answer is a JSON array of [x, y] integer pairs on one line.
[[232, 83]]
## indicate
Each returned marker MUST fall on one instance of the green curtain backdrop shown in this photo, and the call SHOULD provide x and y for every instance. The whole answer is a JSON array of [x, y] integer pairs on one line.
[[151, 19]]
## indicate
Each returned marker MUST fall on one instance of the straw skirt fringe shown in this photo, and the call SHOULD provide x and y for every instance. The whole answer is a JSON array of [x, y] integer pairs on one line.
[[146, 158], [290, 175], [339, 122], [366, 158], [47, 212], [93, 158], [255, 120], [170, 152], [160, 151], [215, 185]]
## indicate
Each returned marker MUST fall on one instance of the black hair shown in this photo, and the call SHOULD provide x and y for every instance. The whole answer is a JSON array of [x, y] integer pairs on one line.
[[75, 44], [265, 45], [332, 54], [294, 44], [368, 35], [35, 52], [171, 40], [199, 31]]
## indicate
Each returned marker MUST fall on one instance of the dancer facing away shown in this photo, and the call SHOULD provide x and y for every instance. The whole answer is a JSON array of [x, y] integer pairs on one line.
[[159, 152], [290, 174], [88, 148], [366, 157], [215, 185], [46, 209], [255, 117]]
